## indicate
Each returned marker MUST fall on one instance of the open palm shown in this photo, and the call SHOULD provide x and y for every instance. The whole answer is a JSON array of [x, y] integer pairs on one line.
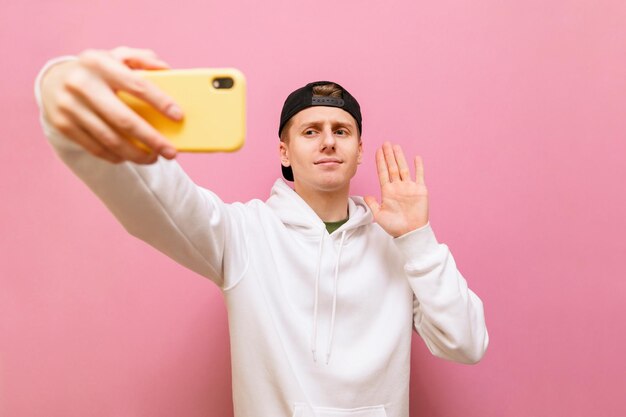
[[404, 201]]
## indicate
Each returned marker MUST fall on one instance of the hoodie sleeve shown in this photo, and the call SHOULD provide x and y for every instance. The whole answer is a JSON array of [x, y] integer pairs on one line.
[[447, 314], [161, 205]]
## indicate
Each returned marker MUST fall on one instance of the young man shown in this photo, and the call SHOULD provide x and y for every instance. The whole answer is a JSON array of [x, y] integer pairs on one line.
[[322, 289]]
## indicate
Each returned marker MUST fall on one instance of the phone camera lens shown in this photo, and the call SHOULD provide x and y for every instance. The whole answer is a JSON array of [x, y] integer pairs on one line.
[[223, 82]]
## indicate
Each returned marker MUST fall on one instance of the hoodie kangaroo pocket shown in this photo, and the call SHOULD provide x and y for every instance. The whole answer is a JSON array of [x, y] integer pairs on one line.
[[303, 410]]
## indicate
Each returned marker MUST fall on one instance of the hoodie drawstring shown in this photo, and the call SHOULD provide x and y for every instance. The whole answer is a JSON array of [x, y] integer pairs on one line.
[[316, 302], [317, 288], [332, 317]]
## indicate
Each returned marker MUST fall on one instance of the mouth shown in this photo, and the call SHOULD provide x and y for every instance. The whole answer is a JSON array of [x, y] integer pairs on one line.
[[328, 161]]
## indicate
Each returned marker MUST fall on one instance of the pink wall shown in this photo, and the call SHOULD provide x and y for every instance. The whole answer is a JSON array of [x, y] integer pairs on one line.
[[517, 107]]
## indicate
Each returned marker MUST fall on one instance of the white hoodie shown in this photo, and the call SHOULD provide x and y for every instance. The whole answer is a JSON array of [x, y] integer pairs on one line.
[[320, 325]]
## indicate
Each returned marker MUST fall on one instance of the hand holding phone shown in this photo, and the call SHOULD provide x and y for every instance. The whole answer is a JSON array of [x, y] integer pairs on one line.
[[78, 99]]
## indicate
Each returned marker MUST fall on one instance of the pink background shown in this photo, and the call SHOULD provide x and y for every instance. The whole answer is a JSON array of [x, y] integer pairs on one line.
[[518, 109]]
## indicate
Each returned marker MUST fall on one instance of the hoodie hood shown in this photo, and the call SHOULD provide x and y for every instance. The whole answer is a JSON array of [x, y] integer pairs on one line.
[[294, 212]]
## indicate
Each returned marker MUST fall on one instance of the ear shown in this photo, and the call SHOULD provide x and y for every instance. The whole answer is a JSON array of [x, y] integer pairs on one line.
[[360, 156], [284, 154]]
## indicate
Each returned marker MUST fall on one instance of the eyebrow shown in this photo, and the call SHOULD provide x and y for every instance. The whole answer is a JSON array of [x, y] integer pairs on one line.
[[334, 122]]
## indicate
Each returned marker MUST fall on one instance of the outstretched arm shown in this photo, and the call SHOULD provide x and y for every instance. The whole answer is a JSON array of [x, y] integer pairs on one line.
[[151, 196]]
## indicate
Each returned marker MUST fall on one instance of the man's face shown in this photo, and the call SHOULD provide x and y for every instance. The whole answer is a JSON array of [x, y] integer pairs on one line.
[[323, 150]]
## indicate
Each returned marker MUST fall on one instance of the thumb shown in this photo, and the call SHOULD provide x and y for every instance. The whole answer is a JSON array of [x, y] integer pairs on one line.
[[372, 204]]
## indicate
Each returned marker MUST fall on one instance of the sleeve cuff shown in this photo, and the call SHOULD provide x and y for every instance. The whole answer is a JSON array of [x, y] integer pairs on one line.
[[417, 244]]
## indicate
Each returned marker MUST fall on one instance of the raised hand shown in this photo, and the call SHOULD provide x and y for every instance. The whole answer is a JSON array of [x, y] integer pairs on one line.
[[79, 99], [404, 205]]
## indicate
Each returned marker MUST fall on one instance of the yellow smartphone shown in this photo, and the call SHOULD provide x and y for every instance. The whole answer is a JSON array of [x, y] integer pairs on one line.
[[213, 101]]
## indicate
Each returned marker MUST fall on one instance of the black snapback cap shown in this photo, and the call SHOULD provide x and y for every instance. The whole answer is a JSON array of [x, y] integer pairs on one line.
[[304, 98]]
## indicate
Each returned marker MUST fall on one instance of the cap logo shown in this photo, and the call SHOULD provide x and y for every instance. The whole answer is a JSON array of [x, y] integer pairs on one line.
[[327, 101]]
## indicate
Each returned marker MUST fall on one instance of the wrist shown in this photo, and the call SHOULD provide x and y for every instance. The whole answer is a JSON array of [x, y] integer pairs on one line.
[[415, 228], [417, 243]]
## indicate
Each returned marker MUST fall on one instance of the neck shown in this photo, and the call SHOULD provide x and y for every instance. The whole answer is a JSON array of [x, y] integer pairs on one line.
[[330, 206]]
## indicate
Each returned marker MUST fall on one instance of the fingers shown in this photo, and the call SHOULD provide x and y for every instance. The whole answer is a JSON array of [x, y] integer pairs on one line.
[[119, 118], [392, 165], [84, 93], [381, 167], [101, 133], [120, 77], [419, 170], [75, 133], [403, 167], [79, 99], [390, 161]]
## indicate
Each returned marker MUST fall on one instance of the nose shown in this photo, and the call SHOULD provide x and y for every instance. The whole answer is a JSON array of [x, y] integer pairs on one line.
[[328, 140]]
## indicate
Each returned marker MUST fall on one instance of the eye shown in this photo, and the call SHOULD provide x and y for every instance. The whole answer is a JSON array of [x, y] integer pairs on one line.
[[341, 132], [309, 132]]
